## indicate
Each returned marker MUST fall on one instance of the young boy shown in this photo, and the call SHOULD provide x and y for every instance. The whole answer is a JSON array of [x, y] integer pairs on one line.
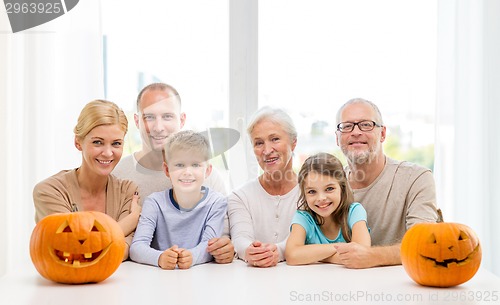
[[176, 224]]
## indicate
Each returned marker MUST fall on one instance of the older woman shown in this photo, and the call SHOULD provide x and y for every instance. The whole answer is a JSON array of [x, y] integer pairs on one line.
[[260, 212], [99, 135]]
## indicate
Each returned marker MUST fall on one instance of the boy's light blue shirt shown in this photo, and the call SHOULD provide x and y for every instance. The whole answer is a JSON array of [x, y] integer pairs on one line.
[[314, 235], [163, 224]]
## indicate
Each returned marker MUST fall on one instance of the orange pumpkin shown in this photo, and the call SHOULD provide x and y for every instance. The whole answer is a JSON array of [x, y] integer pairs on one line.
[[79, 247], [440, 254]]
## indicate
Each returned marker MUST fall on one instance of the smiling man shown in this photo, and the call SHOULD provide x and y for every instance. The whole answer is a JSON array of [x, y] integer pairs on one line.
[[395, 194]]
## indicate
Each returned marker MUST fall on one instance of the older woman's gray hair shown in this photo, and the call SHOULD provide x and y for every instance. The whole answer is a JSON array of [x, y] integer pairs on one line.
[[275, 115]]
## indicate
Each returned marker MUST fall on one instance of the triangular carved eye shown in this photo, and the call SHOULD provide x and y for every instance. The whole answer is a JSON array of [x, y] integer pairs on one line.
[[432, 239], [97, 227], [64, 228], [463, 236]]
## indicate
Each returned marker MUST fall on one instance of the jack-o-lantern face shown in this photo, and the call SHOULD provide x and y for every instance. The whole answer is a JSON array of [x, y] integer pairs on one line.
[[78, 247], [440, 254]]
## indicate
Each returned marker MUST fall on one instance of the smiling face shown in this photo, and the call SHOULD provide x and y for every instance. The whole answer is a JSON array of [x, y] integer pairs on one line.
[[102, 149], [187, 170], [159, 116], [272, 146], [360, 146], [322, 193]]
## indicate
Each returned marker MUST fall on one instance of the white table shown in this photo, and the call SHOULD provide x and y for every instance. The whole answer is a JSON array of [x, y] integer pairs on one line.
[[237, 283]]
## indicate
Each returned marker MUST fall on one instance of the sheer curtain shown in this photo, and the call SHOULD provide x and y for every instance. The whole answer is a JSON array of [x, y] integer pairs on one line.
[[468, 107], [47, 74]]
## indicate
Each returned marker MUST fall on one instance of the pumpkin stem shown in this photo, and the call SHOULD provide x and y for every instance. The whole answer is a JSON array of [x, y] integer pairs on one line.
[[440, 216]]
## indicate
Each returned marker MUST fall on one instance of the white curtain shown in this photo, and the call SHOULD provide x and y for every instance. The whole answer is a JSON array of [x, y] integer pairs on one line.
[[47, 74], [467, 166]]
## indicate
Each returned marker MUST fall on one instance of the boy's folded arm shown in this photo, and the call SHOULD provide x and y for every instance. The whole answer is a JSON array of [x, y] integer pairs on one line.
[[213, 228], [200, 255], [142, 253], [140, 249]]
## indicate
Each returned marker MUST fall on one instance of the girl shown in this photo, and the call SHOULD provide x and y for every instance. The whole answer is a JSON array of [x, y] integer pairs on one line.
[[326, 214]]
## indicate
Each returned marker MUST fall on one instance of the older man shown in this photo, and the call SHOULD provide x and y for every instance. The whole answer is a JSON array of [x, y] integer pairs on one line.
[[395, 194]]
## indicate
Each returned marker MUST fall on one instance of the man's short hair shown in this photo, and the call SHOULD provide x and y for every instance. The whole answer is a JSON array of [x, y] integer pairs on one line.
[[378, 115], [160, 87]]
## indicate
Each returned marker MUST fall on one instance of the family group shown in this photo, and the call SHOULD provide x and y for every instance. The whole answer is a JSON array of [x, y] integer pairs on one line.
[[175, 211]]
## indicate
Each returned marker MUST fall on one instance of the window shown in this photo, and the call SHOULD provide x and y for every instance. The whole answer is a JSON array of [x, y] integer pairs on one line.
[[316, 55], [181, 43], [310, 61]]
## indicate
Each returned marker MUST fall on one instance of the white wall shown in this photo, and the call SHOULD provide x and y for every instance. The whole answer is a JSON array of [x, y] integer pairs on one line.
[[47, 74], [467, 139]]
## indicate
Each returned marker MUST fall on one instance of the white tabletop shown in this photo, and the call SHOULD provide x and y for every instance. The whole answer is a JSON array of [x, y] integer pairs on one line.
[[237, 283]]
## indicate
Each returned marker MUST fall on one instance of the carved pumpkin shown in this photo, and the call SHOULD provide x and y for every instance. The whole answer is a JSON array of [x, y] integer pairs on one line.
[[440, 254], [79, 247]]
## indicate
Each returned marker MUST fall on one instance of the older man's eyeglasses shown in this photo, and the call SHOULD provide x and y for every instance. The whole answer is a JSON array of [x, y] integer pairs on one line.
[[346, 127]]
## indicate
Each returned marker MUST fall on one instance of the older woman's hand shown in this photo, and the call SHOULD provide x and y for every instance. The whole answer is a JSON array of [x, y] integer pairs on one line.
[[262, 255]]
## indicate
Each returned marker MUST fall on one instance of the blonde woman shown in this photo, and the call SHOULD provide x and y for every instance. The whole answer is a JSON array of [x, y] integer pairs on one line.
[[99, 135]]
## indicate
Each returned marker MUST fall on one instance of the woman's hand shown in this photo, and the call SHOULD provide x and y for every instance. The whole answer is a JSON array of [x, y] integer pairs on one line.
[[262, 255], [135, 207], [129, 222]]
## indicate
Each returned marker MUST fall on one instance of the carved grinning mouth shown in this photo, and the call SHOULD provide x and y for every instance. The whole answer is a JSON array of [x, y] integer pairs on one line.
[[445, 263], [78, 259]]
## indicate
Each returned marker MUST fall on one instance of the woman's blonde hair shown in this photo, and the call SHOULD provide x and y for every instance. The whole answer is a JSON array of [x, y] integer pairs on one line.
[[98, 113]]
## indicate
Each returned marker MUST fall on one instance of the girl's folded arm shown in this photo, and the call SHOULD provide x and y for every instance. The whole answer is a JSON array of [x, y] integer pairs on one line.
[[298, 253], [360, 234]]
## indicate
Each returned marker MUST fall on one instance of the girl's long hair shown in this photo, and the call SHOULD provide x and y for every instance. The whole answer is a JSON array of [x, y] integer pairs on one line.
[[329, 165]]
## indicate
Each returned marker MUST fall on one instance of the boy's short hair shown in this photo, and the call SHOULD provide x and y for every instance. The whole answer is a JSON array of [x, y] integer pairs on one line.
[[187, 141]]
